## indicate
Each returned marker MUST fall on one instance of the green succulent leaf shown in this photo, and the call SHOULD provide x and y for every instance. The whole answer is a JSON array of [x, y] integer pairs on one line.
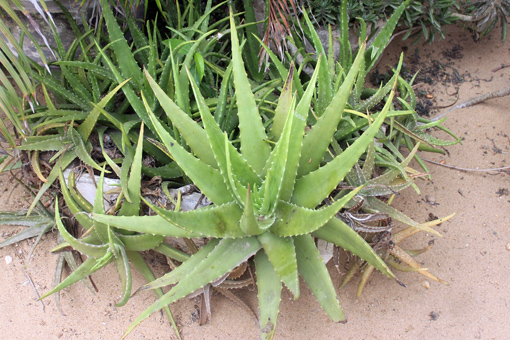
[[142, 242], [269, 288], [292, 220], [73, 207], [100, 228], [85, 269], [254, 147], [282, 255], [271, 189], [81, 149], [339, 233], [208, 179], [139, 263], [45, 143], [37, 225], [91, 250], [283, 107], [383, 38], [311, 189], [248, 222], [152, 225], [122, 263], [228, 254], [134, 182], [217, 221], [317, 140], [183, 270], [220, 146], [313, 270], [375, 204], [88, 124], [296, 137], [194, 135], [64, 161]]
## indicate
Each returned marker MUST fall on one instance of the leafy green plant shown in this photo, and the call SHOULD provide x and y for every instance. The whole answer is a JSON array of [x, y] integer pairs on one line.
[[383, 240], [482, 16], [267, 162], [421, 19], [103, 244], [403, 127], [264, 197], [95, 84]]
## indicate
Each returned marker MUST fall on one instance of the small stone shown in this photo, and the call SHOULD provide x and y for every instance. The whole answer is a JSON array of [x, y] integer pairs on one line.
[[508, 246], [8, 259], [430, 199], [425, 284]]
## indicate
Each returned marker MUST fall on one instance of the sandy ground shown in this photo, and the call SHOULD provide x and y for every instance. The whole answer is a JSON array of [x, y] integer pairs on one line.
[[471, 255]]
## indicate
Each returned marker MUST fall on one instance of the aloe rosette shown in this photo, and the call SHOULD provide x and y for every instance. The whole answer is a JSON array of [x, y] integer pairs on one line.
[[265, 198]]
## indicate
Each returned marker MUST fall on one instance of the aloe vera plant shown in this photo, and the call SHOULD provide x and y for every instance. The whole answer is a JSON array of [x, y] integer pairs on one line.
[[406, 128], [264, 197]]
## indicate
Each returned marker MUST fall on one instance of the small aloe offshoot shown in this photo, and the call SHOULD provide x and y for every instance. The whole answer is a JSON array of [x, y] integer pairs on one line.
[[386, 243], [264, 198], [103, 244]]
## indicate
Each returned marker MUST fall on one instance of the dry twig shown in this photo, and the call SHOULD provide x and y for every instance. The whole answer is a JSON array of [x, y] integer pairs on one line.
[[466, 169], [476, 100]]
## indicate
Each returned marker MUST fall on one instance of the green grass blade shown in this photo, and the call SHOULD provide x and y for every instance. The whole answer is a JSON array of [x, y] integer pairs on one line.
[[313, 270]]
